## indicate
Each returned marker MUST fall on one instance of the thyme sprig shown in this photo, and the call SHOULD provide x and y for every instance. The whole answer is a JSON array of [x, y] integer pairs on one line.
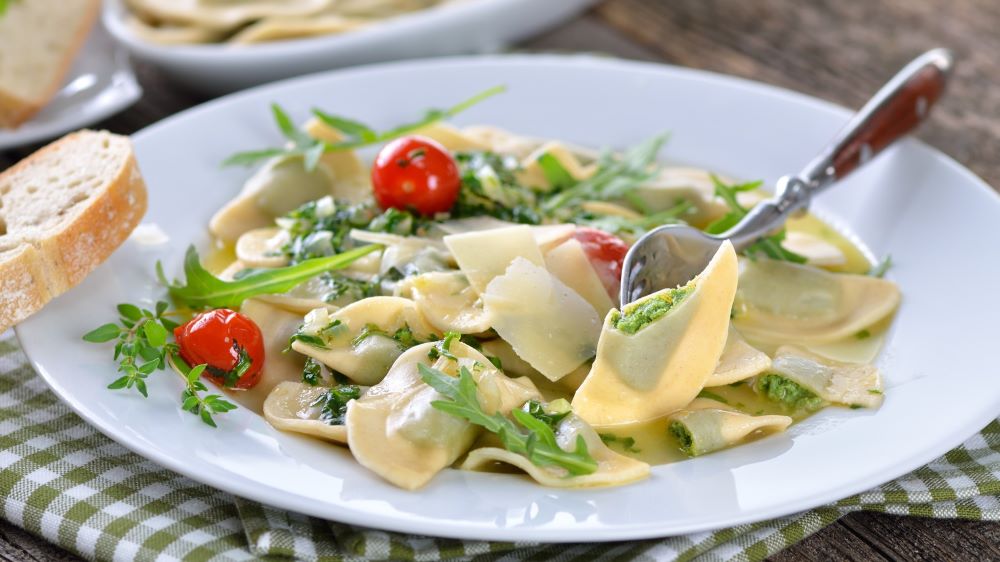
[[141, 346]]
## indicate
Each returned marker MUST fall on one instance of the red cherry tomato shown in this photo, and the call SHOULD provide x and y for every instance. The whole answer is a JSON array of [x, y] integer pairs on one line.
[[416, 173], [606, 253], [221, 338]]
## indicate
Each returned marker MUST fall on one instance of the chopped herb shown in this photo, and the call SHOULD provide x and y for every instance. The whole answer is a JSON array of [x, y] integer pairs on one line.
[[705, 393], [231, 377], [626, 443], [490, 188], [333, 403], [856, 406], [550, 418], [682, 434], [312, 372], [640, 314], [403, 337], [788, 392], [528, 437], [863, 335], [355, 134], [874, 391], [443, 347]]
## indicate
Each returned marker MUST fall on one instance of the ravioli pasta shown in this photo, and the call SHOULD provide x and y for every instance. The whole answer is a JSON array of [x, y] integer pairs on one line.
[[487, 337], [244, 22]]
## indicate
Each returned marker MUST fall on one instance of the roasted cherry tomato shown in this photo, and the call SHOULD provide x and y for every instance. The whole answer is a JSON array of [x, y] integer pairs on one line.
[[416, 173], [606, 253], [228, 342]]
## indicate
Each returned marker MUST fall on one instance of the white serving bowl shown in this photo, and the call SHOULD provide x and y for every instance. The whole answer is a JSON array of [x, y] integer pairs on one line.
[[473, 26]]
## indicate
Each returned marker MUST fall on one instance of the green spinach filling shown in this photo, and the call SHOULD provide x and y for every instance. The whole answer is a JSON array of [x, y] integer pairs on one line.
[[788, 392], [638, 315]]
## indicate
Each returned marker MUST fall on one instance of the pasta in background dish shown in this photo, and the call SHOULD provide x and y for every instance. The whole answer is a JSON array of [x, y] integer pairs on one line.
[[244, 22], [454, 307]]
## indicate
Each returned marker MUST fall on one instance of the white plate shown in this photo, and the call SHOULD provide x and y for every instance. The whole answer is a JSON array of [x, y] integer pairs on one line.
[[932, 215], [99, 84], [466, 27]]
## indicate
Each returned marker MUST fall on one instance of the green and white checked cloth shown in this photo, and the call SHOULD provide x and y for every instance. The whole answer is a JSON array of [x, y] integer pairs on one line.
[[64, 481]]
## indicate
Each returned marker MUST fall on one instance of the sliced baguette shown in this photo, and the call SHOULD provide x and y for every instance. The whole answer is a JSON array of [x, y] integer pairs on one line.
[[63, 211], [38, 41]]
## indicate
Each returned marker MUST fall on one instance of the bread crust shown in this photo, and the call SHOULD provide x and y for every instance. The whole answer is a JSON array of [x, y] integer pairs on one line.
[[23, 289], [67, 254], [14, 110]]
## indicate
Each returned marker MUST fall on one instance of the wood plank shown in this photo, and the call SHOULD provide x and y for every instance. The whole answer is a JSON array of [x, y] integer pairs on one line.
[[17, 545], [835, 542], [920, 538], [839, 50]]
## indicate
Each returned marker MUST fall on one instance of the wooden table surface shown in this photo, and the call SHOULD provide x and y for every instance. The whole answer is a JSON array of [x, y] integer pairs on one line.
[[839, 50]]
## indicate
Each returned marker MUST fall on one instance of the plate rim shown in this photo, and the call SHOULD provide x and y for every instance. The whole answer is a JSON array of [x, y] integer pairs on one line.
[[113, 16], [416, 524], [123, 78]]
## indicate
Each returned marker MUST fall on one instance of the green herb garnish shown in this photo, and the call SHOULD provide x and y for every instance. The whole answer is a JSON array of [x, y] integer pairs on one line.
[[333, 403], [204, 290], [550, 418], [684, 437], [443, 347], [769, 246], [615, 177], [312, 372], [626, 443], [403, 337], [356, 134], [880, 269], [202, 406], [863, 335], [529, 437], [142, 345], [705, 393]]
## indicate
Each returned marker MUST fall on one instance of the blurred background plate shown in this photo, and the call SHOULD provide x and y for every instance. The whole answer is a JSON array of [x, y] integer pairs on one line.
[[468, 27], [99, 84]]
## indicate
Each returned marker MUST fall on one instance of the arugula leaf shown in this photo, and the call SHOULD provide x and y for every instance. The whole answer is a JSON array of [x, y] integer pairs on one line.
[[615, 177], [555, 173], [769, 246], [533, 439], [356, 134], [204, 290]]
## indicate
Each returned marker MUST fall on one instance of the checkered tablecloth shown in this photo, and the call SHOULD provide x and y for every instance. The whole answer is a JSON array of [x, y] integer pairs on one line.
[[63, 480]]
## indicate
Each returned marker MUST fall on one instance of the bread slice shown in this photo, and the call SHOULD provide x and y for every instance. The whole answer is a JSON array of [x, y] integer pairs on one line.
[[38, 41], [63, 211]]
